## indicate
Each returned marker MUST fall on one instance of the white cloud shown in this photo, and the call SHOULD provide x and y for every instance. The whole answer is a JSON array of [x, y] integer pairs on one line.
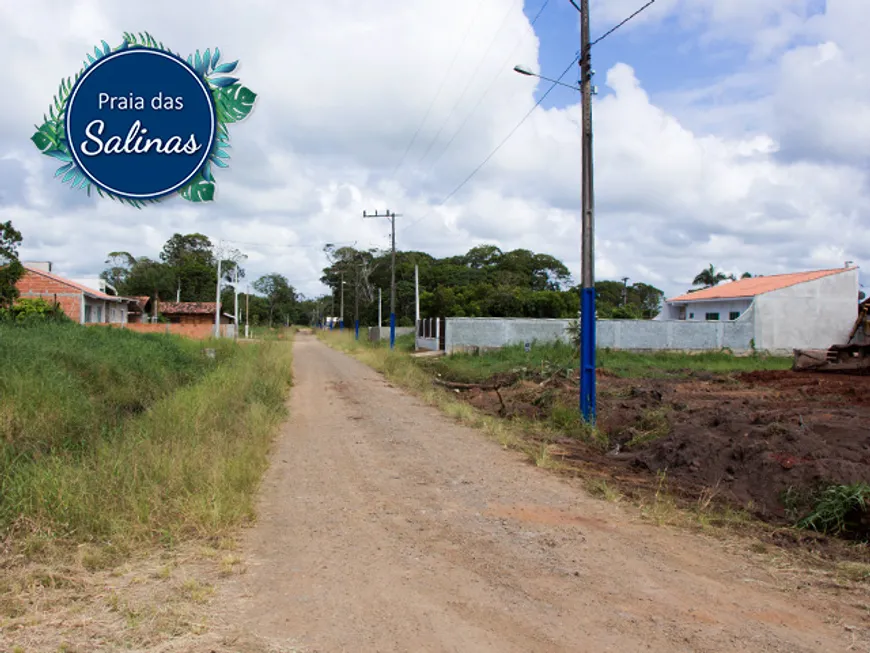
[[764, 171]]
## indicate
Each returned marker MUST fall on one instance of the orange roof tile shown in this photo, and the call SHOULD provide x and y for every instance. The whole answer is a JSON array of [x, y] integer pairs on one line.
[[756, 285], [72, 284]]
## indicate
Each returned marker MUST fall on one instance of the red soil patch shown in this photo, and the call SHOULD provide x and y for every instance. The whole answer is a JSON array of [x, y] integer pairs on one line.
[[754, 436]]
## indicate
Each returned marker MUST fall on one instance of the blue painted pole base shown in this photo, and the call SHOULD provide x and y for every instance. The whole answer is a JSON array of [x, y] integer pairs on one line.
[[587, 355], [356, 329], [392, 330]]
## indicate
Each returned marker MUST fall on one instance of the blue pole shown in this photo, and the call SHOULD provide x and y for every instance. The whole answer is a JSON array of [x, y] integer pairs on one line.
[[392, 330], [356, 329], [587, 355]]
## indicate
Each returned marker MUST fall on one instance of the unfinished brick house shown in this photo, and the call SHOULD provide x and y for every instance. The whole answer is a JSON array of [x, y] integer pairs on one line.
[[78, 302], [191, 313]]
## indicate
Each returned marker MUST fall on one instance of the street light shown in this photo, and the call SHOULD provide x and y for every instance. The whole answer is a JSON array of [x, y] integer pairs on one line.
[[524, 70], [587, 296]]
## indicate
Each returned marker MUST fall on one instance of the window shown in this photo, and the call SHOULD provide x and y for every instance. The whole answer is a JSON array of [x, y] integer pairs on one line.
[[87, 313], [691, 316], [712, 317], [733, 315]]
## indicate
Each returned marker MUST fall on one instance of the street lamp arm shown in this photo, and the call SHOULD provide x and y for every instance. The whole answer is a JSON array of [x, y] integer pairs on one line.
[[522, 70]]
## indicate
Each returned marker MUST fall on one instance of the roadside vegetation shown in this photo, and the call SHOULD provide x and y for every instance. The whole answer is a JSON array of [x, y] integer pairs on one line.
[[120, 439], [473, 367]]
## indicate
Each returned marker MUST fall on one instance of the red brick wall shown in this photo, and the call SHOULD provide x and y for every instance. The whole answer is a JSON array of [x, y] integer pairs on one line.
[[195, 331], [35, 285]]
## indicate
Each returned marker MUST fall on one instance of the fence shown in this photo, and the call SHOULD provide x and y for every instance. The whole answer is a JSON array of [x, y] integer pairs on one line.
[[464, 333], [378, 333]]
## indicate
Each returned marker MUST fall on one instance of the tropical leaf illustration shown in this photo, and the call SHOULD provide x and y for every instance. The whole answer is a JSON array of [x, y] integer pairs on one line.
[[233, 103]]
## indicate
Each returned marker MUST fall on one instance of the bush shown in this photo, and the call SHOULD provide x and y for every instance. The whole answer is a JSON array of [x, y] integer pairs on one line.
[[31, 310]]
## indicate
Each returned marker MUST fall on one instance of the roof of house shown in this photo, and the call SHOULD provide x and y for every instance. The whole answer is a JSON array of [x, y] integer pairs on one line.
[[753, 286], [90, 292], [142, 301], [187, 308]]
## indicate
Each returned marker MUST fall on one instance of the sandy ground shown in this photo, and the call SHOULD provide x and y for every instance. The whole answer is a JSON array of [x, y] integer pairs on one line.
[[386, 526]]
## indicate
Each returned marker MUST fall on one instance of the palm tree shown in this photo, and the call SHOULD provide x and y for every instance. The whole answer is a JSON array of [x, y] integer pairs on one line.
[[709, 277], [746, 275]]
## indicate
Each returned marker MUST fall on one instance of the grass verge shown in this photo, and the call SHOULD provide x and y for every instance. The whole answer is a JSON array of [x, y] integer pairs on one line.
[[82, 468], [473, 368]]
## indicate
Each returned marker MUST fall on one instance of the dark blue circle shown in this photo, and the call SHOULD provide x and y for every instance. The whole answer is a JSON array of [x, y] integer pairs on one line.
[[146, 74]]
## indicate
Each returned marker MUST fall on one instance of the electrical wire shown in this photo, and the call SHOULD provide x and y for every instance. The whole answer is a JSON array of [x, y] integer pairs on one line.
[[497, 148], [620, 24], [537, 104], [468, 83], [485, 93], [438, 92]]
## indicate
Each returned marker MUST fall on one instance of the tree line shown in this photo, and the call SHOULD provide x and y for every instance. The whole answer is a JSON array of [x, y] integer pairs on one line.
[[483, 282]]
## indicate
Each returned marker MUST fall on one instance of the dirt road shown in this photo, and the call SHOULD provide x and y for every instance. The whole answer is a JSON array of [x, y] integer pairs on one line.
[[385, 526]]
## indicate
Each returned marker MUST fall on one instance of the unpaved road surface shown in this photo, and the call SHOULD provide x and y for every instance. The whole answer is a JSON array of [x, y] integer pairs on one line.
[[386, 526]]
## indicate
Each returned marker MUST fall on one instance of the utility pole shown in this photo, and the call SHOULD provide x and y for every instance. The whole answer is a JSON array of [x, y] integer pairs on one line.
[[247, 312], [217, 309], [236, 301], [417, 293], [587, 303], [624, 290], [341, 317], [356, 301], [392, 217], [380, 318], [178, 293]]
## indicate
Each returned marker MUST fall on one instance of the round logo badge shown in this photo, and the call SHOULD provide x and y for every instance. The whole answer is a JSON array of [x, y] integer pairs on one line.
[[140, 123]]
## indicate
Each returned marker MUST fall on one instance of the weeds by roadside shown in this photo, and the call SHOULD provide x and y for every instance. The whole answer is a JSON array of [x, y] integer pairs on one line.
[[186, 463], [561, 356]]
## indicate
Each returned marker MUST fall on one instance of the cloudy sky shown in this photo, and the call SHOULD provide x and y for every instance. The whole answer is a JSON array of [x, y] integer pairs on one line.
[[732, 132]]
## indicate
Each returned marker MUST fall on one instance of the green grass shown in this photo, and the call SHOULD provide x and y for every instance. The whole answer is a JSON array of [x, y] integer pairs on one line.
[[841, 510], [77, 464], [345, 340], [549, 357]]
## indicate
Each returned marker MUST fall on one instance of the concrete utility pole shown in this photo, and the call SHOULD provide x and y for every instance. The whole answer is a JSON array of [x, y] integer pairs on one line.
[[380, 318], [624, 290], [247, 312], [392, 217], [217, 309], [341, 317], [417, 293], [587, 304], [236, 302], [356, 302]]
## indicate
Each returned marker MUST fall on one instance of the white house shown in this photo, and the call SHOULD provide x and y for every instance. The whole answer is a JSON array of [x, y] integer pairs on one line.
[[801, 310]]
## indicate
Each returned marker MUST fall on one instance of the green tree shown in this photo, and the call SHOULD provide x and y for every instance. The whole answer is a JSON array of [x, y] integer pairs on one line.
[[192, 261], [120, 264], [11, 269], [280, 297]]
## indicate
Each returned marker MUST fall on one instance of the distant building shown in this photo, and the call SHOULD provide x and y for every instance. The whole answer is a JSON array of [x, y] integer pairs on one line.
[[796, 310], [191, 312], [79, 302]]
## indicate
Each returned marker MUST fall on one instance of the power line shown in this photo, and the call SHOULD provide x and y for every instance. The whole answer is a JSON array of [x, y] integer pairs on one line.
[[537, 104], [502, 68], [500, 145], [438, 92], [468, 83], [620, 24]]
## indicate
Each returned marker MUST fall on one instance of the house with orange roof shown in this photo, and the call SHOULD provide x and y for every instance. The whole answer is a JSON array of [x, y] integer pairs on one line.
[[799, 310], [80, 302]]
